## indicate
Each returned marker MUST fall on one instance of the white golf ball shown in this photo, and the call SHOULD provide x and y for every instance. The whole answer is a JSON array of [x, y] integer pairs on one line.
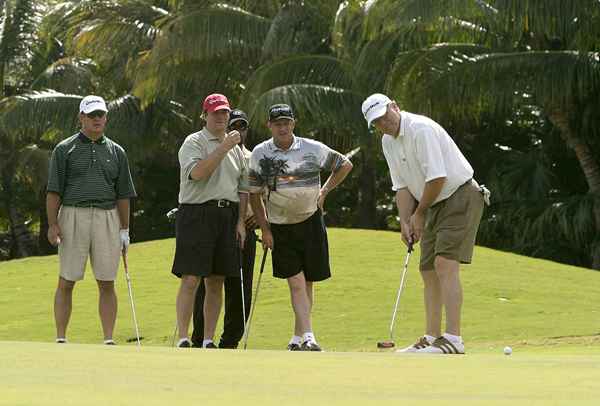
[[507, 350]]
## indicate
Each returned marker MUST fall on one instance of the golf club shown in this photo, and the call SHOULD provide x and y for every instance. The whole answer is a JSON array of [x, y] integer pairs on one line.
[[137, 331], [242, 287], [174, 334], [390, 343], [255, 300]]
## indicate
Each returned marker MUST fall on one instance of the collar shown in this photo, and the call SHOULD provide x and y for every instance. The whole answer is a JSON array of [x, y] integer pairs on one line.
[[295, 144], [403, 124], [86, 140], [210, 136]]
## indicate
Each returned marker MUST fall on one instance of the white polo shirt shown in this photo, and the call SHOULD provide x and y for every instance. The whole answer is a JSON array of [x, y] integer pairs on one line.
[[421, 152]]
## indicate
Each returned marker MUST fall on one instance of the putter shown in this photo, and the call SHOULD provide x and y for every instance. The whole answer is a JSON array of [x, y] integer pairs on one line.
[[137, 331], [390, 343], [253, 306]]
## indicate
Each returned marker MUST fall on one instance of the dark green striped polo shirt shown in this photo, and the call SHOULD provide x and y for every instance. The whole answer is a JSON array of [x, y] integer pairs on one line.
[[88, 173]]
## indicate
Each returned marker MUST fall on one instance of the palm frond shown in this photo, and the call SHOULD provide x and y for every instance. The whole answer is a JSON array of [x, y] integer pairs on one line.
[[309, 69], [299, 28], [471, 84], [325, 113], [33, 114], [195, 52], [67, 75]]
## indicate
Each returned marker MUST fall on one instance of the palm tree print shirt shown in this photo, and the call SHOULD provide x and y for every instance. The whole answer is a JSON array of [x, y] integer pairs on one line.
[[292, 177]]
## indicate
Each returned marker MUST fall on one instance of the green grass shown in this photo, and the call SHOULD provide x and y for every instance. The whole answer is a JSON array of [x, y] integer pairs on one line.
[[547, 312], [509, 299], [92, 375]]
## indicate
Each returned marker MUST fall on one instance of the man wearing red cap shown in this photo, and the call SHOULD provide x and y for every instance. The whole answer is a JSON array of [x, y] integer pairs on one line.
[[210, 228]]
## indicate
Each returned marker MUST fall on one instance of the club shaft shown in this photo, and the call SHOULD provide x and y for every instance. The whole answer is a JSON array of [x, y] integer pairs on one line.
[[135, 323], [399, 294], [255, 300]]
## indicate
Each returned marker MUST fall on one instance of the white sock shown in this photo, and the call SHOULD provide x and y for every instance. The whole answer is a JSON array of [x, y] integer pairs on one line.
[[309, 336], [296, 340], [206, 342], [182, 340], [452, 338], [430, 339]]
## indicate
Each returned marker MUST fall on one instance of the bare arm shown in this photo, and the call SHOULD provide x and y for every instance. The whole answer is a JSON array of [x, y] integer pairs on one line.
[[432, 190], [123, 210], [205, 167], [53, 202], [337, 177], [406, 204], [334, 179], [258, 209]]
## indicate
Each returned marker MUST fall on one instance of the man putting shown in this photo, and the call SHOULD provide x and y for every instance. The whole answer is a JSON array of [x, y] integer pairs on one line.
[[289, 167], [439, 204], [210, 229], [89, 187]]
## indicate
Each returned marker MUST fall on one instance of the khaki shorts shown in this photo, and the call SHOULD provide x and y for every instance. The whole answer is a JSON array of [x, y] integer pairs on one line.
[[89, 231], [451, 227]]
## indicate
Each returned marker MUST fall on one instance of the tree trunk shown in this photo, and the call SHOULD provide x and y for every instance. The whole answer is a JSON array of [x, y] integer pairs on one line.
[[590, 167], [367, 202]]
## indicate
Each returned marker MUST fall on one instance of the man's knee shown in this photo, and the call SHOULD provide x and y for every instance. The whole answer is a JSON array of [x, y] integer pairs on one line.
[[65, 285], [297, 283], [214, 284], [445, 267], [106, 287], [189, 283]]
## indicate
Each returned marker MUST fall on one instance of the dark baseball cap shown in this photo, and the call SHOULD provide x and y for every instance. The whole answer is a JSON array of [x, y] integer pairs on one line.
[[280, 111], [237, 115]]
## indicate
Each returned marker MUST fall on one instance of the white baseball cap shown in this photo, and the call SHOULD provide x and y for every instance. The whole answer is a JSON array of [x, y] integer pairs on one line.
[[92, 103], [375, 106]]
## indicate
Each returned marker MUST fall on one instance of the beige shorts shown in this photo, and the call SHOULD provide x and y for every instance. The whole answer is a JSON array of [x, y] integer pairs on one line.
[[451, 227], [89, 231]]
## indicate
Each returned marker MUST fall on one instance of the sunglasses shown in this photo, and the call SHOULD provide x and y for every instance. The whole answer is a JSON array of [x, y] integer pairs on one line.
[[239, 125], [96, 114]]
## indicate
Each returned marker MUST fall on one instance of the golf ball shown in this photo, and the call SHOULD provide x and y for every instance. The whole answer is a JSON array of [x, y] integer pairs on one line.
[[507, 350]]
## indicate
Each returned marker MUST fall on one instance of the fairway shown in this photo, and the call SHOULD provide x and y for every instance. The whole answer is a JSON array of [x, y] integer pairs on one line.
[[49, 374], [547, 312]]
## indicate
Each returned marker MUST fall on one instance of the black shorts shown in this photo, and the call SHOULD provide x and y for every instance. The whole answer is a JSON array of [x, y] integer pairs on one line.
[[301, 247], [206, 241]]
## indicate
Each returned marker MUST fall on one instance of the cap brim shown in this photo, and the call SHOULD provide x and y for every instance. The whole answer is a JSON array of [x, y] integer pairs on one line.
[[222, 107], [88, 111], [235, 120], [376, 113], [282, 118]]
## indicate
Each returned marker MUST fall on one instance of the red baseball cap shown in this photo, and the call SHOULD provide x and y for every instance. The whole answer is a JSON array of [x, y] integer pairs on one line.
[[214, 102]]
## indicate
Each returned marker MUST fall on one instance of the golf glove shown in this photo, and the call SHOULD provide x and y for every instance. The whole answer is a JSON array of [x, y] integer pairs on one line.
[[486, 194], [124, 236]]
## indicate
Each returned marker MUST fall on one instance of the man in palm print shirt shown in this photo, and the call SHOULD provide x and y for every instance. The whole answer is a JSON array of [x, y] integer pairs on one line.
[[289, 167]]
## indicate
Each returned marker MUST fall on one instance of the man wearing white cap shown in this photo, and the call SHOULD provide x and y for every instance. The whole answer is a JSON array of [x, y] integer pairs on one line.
[[439, 204], [89, 187]]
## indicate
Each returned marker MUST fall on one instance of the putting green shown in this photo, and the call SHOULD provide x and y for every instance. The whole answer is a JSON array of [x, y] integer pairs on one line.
[[51, 374]]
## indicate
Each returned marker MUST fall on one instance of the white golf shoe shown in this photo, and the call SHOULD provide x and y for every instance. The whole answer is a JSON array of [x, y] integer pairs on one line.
[[421, 343], [442, 345]]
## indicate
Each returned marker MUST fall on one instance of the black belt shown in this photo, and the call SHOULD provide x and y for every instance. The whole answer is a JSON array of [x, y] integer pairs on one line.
[[222, 203]]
